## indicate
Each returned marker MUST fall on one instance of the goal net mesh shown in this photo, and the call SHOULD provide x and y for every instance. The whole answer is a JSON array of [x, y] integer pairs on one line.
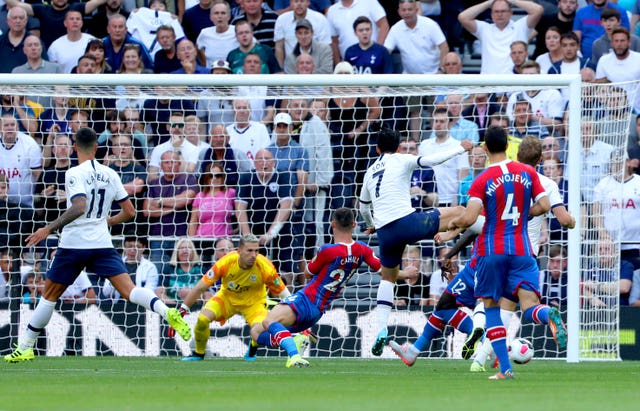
[[336, 126]]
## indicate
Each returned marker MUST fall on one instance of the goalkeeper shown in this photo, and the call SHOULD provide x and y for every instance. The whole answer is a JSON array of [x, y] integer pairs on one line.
[[243, 275]]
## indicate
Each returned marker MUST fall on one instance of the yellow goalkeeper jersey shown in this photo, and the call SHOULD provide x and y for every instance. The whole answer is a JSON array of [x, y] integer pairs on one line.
[[243, 287]]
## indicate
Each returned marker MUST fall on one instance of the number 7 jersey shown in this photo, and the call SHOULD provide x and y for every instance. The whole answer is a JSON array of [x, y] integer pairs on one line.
[[101, 186], [506, 189]]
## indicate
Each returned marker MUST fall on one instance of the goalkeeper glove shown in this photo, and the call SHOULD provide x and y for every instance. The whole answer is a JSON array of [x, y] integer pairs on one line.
[[184, 310]]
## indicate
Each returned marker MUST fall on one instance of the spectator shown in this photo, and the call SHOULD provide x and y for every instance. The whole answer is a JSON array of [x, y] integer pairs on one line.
[[519, 55], [554, 53], [197, 18], [424, 191], [312, 134], [451, 63], [412, 286], [67, 49], [616, 206], [211, 107], [351, 120], [524, 123], [33, 287], [166, 206], [17, 221], [95, 48], [246, 137], [547, 105], [341, 16], [50, 199], [480, 111], [156, 113], [98, 107], [220, 152], [321, 6], [143, 23], [287, 24], [126, 122], [623, 65], [187, 54], [215, 43], [117, 38], [553, 280], [265, 201], [595, 158], [499, 119], [5, 272], [100, 19], [587, 24], [132, 61], [165, 60], [55, 119], [213, 207], [419, 40], [189, 154], [33, 24], [571, 63], [186, 270], [133, 176], [142, 271], [617, 119], [497, 36], [604, 285], [194, 133], [306, 44], [248, 44], [459, 127], [17, 106], [12, 41], [552, 168], [365, 56], [477, 162], [562, 19], [262, 20], [52, 16], [451, 172], [610, 19], [21, 160]]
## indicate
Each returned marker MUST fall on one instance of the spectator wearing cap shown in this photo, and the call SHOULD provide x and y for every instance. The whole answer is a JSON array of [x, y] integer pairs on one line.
[[341, 16], [320, 52], [215, 43], [248, 44], [166, 59], [187, 54], [287, 24], [210, 107]]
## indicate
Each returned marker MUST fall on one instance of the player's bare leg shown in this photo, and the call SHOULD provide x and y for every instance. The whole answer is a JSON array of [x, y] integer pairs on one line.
[[147, 299], [39, 320], [272, 332], [447, 214], [532, 310]]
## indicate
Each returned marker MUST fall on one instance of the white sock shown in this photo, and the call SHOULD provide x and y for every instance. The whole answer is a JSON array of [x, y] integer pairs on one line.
[[484, 352], [505, 316], [385, 302], [147, 299], [479, 317], [39, 320]]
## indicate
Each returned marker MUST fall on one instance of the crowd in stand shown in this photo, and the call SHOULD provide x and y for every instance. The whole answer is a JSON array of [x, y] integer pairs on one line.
[[203, 171]]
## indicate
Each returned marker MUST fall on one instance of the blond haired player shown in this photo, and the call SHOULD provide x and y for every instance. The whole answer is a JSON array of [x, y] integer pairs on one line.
[[243, 275]]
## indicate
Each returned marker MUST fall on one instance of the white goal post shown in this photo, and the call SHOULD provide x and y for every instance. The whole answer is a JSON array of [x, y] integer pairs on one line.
[[588, 346]]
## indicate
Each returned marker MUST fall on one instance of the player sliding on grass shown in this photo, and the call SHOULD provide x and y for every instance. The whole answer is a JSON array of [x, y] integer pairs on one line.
[[386, 190], [243, 275], [330, 269], [85, 242]]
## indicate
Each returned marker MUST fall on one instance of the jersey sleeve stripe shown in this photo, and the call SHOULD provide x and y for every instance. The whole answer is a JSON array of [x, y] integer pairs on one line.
[[78, 195], [123, 199]]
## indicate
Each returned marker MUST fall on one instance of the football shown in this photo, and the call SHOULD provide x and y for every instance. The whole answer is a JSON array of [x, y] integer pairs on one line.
[[520, 351]]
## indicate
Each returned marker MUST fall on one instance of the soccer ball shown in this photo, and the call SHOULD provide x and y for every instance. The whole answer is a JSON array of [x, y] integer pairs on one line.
[[520, 351]]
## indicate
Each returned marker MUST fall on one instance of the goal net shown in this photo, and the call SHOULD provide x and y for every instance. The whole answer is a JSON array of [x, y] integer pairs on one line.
[[183, 212]]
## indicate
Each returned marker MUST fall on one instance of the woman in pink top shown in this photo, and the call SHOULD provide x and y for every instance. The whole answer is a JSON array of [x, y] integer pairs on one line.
[[213, 206]]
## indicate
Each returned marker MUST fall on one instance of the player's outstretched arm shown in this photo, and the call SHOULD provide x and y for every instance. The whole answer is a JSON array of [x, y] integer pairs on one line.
[[127, 212], [564, 217], [469, 216], [77, 209], [540, 207]]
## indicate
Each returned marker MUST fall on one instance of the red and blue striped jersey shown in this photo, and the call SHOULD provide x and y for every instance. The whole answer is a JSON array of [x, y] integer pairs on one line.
[[506, 190], [333, 266]]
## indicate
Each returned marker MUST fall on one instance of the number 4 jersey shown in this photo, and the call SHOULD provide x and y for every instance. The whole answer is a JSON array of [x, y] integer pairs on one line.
[[506, 189], [101, 186], [333, 266]]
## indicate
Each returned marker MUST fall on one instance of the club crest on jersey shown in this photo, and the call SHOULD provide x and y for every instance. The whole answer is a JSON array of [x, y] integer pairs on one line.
[[273, 187], [231, 285], [72, 181], [253, 278], [209, 273]]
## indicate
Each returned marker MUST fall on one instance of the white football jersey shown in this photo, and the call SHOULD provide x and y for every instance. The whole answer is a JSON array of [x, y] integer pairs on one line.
[[143, 23], [535, 224], [620, 204], [247, 142], [18, 163], [102, 186]]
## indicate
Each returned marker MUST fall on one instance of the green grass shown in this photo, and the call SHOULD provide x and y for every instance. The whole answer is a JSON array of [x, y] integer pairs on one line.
[[109, 383]]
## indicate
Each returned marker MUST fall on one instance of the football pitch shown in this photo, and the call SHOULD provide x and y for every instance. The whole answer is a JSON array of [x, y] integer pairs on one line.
[[115, 383]]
